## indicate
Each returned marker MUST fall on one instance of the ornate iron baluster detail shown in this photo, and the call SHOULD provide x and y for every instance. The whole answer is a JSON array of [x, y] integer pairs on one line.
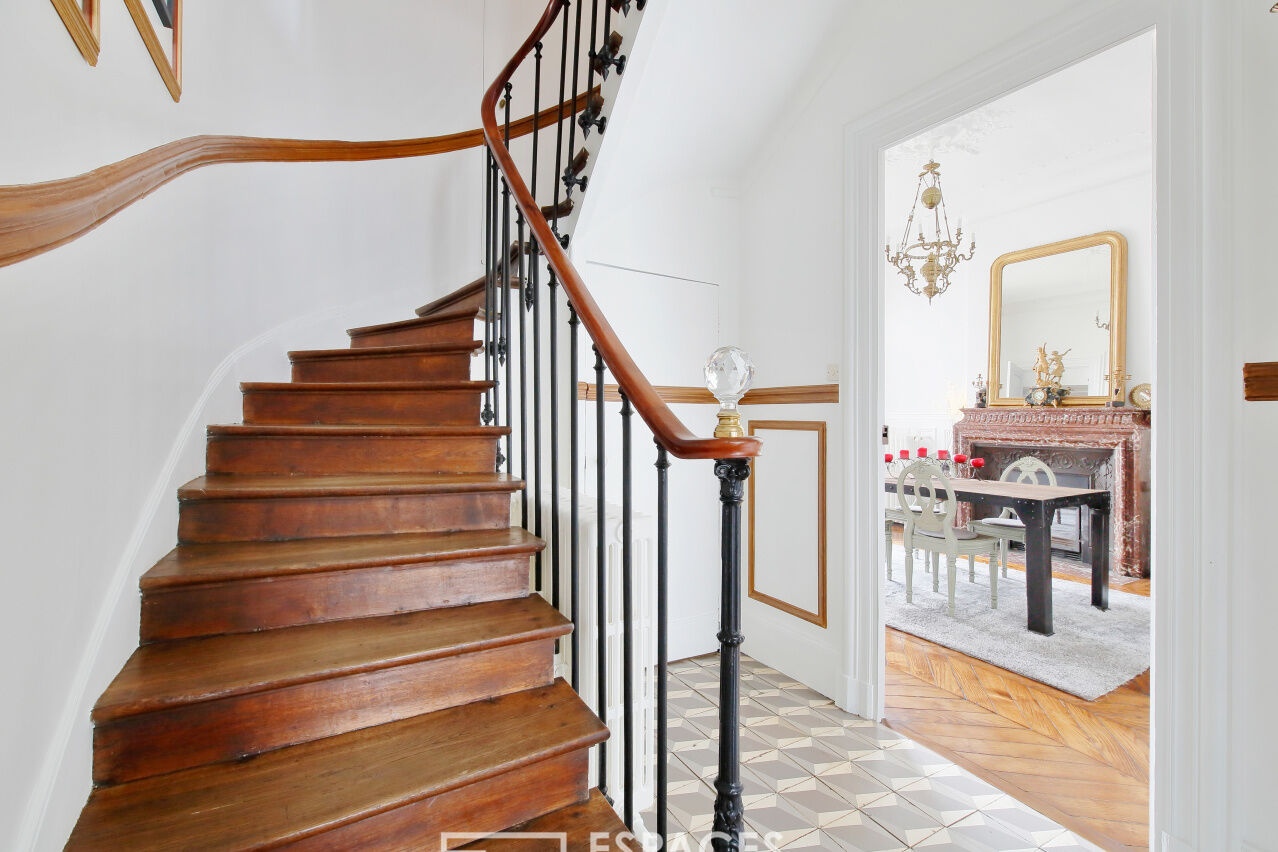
[[728, 812]]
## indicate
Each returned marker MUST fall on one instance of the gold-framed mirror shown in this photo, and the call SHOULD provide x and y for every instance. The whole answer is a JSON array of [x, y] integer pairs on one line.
[[1059, 309]]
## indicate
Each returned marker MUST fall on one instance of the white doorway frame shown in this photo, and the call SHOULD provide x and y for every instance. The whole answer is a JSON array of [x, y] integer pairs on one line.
[[1194, 380]]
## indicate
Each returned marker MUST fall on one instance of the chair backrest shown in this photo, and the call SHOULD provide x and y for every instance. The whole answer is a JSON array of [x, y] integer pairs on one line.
[[917, 490], [1026, 469]]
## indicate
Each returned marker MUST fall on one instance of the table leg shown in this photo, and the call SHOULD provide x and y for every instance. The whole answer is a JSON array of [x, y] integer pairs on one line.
[[1100, 558], [1038, 570]]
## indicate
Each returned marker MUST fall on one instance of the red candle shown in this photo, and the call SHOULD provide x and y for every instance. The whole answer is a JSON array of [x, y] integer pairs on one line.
[[905, 454], [922, 452], [959, 458], [887, 457], [943, 455], [978, 462]]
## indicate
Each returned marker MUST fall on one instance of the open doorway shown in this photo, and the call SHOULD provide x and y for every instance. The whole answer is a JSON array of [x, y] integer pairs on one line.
[[1019, 368]]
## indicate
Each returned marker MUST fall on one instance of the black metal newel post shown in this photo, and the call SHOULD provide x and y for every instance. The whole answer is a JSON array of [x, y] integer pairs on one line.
[[728, 815], [663, 564]]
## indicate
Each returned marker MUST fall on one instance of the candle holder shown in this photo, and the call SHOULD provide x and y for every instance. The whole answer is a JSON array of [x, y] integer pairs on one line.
[[729, 374]]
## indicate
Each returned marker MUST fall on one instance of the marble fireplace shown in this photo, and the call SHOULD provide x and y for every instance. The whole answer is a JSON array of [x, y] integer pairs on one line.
[[1085, 447]]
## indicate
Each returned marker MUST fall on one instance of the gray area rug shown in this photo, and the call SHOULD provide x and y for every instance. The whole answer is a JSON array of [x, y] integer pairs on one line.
[[1091, 653]]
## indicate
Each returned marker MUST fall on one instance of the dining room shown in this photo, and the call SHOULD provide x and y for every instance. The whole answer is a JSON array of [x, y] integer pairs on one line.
[[1018, 355]]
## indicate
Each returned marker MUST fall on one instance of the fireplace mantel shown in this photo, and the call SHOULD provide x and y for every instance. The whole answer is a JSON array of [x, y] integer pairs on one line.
[[1123, 432]]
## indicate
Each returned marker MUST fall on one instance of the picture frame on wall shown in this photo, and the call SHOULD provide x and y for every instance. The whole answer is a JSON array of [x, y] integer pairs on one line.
[[159, 22], [82, 20]]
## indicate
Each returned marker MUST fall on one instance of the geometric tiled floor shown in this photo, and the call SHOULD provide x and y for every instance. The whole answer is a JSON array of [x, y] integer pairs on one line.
[[818, 778]]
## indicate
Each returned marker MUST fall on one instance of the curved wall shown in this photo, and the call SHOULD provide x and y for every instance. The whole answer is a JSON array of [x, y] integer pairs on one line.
[[119, 347]]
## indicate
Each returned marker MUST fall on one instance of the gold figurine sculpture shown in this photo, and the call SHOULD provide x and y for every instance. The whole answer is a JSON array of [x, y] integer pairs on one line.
[[1049, 371]]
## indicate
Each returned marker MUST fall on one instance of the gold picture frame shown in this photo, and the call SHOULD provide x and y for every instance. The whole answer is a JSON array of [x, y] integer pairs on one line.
[[82, 19], [169, 66], [1117, 310]]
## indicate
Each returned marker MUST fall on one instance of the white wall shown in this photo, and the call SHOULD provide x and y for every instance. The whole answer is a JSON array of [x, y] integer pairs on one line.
[[1253, 583], [122, 345]]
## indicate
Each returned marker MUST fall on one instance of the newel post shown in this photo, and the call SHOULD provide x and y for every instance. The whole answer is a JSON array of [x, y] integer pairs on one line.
[[728, 815]]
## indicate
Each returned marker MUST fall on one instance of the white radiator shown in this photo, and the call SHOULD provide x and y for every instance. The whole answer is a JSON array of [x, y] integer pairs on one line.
[[644, 619]]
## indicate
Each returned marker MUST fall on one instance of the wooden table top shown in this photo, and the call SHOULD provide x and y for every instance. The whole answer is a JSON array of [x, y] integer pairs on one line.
[[995, 491]]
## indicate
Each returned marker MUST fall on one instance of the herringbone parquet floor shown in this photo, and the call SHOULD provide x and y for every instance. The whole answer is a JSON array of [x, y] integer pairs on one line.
[[1084, 764]]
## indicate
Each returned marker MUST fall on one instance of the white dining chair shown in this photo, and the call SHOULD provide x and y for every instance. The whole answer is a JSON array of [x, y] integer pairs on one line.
[[929, 526], [1007, 527]]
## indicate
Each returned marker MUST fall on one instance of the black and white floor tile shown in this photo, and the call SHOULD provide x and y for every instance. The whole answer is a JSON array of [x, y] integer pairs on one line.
[[818, 778]]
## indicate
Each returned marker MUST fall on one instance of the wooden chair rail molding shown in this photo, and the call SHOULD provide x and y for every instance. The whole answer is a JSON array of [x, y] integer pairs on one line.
[[1260, 381], [786, 395], [38, 217], [667, 429]]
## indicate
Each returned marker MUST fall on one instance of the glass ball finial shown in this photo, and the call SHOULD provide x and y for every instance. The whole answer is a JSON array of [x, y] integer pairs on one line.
[[729, 374]]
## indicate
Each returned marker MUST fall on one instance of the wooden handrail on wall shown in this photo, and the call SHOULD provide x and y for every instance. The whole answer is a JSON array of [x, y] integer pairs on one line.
[[668, 430], [38, 217]]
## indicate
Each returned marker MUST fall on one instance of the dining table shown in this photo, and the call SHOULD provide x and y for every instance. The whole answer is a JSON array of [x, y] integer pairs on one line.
[[1036, 505]]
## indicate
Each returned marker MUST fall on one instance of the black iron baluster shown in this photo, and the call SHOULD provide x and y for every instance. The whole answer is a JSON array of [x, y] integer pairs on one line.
[[494, 319], [663, 563], [559, 124], [524, 296], [572, 125], [507, 258], [536, 114], [486, 417], [601, 566], [535, 295], [552, 286], [728, 815], [574, 505], [627, 619]]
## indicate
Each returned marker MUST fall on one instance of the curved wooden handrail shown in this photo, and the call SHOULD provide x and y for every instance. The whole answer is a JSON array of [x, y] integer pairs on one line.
[[38, 217], [668, 430]]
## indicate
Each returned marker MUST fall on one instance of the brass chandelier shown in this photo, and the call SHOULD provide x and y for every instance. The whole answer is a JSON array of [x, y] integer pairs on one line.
[[932, 260]]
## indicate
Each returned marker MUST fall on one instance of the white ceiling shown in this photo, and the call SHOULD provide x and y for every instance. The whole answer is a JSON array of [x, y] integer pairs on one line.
[[724, 70], [1084, 126]]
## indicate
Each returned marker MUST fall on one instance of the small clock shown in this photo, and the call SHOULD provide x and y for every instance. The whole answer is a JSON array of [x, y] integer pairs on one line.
[[1142, 396], [1037, 396]]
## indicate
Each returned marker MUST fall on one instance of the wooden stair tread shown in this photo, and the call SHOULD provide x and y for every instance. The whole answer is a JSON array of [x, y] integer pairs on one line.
[[188, 671], [235, 486], [416, 322], [357, 387], [189, 564], [292, 793], [461, 294], [581, 823], [384, 351], [290, 430]]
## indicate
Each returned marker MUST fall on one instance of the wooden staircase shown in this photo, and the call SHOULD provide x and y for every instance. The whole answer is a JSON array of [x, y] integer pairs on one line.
[[342, 652]]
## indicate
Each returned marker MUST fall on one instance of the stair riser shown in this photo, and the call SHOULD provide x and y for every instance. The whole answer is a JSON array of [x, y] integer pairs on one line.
[[385, 368], [231, 728], [452, 331], [482, 808], [350, 454], [260, 604], [272, 519], [399, 408]]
